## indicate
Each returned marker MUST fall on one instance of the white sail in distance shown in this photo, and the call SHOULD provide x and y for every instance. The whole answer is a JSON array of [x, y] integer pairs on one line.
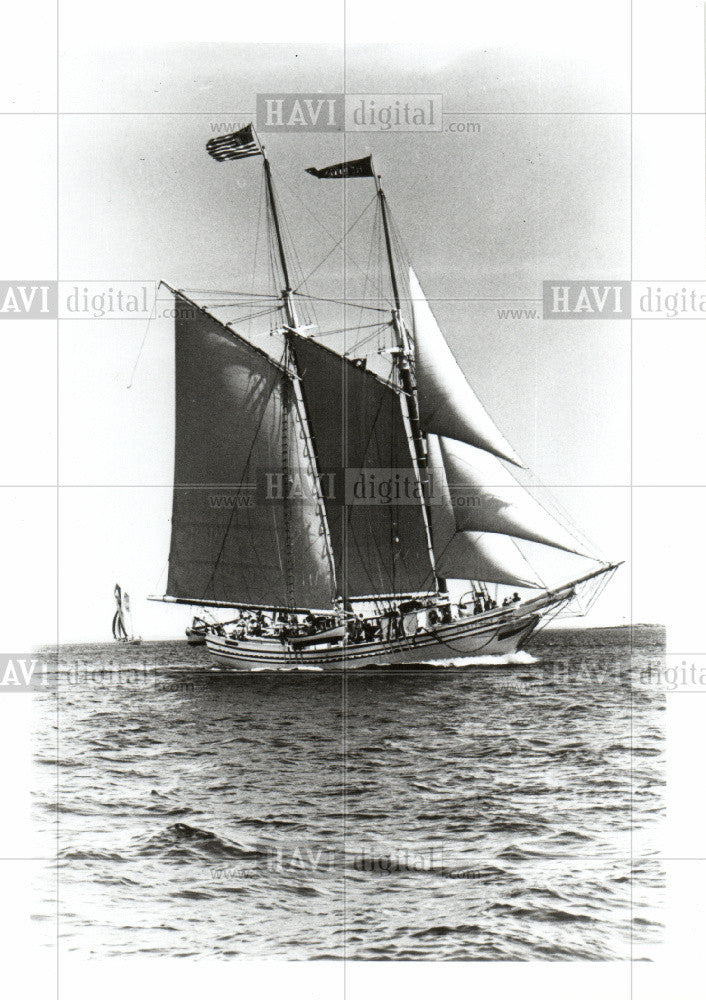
[[471, 555], [447, 405]]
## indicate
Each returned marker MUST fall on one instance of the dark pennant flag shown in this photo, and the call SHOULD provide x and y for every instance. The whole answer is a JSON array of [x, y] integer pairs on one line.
[[351, 168], [234, 146]]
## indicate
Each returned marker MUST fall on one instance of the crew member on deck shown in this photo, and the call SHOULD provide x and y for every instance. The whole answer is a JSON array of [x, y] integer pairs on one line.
[[356, 628], [371, 628]]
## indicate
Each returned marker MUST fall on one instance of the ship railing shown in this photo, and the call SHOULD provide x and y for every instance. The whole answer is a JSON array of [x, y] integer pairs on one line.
[[393, 624]]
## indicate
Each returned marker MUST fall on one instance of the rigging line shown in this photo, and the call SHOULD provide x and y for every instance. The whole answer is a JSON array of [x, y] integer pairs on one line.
[[373, 429], [255, 315], [308, 209], [309, 315], [292, 247], [161, 575], [403, 252], [560, 512], [395, 531], [385, 586], [233, 509], [347, 329], [260, 202], [564, 520], [403, 267], [382, 284], [272, 244], [346, 515], [599, 590], [337, 244], [238, 303], [405, 263], [219, 291], [370, 253], [318, 298], [522, 556], [386, 216], [387, 578], [392, 375], [273, 263], [371, 336], [151, 316], [375, 279], [555, 613], [376, 329], [291, 243], [387, 573], [213, 308], [285, 390], [375, 285]]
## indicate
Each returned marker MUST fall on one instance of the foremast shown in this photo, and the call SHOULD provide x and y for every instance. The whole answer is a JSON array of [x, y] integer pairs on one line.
[[404, 361]]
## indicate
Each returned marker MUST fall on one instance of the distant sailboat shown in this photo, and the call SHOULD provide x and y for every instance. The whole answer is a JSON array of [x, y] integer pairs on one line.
[[122, 619], [320, 580]]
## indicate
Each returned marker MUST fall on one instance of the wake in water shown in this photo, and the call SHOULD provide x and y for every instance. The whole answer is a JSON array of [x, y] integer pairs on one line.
[[500, 660], [520, 658]]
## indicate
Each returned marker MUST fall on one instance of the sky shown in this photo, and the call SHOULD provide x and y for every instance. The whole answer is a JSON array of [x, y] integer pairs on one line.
[[542, 191]]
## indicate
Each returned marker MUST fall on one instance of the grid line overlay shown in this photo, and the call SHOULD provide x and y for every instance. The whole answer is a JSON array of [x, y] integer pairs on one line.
[[630, 485], [58, 488], [632, 533]]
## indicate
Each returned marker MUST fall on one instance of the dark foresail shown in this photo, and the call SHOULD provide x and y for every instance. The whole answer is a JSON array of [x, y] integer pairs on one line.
[[245, 523], [379, 544]]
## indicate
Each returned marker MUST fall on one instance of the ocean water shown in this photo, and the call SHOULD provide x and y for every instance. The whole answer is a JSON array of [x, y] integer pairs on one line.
[[497, 809]]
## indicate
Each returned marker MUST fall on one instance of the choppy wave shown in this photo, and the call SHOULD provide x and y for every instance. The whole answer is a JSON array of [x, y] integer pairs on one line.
[[480, 813]]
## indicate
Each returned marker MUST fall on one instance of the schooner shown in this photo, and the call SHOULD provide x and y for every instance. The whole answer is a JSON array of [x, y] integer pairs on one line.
[[327, 505]]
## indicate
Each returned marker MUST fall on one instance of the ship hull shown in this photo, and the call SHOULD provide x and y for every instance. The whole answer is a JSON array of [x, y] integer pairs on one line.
[[497, 635]]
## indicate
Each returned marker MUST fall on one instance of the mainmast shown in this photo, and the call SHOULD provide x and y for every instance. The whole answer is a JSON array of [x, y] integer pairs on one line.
[[404, 356]]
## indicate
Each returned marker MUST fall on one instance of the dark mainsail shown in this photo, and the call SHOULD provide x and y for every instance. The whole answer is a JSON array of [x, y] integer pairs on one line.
[[356, 423], [237, 423]]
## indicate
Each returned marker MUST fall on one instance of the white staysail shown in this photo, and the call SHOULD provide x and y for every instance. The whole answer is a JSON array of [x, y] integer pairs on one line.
[[487, 497], [447, 404], [471, 555], [475, 555]]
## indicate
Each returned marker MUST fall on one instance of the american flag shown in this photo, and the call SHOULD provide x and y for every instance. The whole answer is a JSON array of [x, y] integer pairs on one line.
[[234, 146]]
